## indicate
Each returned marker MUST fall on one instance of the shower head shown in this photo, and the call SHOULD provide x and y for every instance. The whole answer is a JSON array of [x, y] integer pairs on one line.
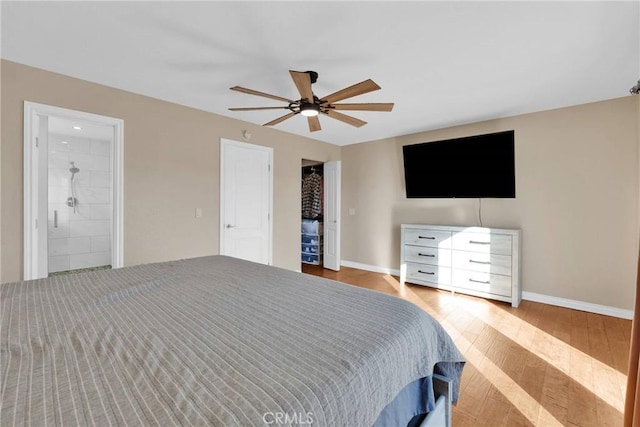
[[73, 169]]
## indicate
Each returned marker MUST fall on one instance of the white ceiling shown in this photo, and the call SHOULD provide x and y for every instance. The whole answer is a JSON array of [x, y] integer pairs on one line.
[[442, 63], [64, 126]]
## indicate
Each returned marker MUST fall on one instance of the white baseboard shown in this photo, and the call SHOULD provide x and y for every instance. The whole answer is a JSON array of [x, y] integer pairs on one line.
[[369, 267], [578, 305], [529, 296]]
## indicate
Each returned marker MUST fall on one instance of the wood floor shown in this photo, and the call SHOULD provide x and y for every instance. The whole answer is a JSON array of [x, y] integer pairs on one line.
[[536, 365]]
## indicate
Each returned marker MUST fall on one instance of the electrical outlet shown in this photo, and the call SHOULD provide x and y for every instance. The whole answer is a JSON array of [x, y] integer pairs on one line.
[[198, 212], [352, 211]]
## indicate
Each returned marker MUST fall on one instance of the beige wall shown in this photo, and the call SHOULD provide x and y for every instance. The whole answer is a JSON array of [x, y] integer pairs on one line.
[[171, 166], [577, 200]]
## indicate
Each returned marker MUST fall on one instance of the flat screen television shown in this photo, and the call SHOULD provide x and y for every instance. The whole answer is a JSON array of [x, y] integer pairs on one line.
[[469, 167]]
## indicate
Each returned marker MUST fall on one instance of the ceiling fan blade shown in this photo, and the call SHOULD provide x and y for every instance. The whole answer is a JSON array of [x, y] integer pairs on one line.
[[303, 83], [280, 119], [255, 92], [314, 123], [347, 119], [386, 106], [257, 108], [357, 89]]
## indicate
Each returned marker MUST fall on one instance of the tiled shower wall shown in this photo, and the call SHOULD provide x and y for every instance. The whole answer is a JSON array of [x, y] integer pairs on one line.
[[81, 239]]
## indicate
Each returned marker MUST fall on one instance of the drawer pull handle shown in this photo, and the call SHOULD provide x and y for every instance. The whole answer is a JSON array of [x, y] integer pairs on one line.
[[427, 237], [429, 255], [480, 262], [426, 272], [485, 282], [475, 242]]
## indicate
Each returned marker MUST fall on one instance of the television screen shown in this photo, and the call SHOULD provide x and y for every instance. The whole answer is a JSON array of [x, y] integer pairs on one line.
[[470, 167]]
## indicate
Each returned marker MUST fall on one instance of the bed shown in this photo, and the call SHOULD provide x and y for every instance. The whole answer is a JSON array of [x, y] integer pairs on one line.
[[215, 341]]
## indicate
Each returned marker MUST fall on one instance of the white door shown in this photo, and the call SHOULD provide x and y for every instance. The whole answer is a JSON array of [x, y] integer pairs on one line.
[[332, 215], [246, 183]]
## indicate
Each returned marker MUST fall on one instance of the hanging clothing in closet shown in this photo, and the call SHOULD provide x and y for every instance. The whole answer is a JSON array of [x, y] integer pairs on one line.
[[312, 195]]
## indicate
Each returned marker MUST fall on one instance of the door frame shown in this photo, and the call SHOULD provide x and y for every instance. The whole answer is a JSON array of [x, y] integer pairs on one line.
[[31, 195], [269, 150]]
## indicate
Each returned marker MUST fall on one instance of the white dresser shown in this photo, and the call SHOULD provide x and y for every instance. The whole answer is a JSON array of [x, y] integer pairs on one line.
[[473, 260]]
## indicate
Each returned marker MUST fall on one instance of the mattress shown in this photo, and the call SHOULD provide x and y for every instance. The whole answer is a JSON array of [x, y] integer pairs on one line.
[[209, 341]]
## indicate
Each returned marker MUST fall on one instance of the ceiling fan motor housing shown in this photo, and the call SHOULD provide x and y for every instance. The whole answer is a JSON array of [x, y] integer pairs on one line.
[[313, 76]]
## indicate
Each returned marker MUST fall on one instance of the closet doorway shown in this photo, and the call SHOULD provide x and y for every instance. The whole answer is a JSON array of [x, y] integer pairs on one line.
[[320, 214]]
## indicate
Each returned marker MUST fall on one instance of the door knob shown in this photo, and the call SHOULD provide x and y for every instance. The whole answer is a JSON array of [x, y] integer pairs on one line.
[[230, 226]]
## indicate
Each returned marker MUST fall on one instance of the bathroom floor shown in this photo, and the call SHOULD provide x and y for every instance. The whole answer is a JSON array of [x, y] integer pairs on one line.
[[81, 270]]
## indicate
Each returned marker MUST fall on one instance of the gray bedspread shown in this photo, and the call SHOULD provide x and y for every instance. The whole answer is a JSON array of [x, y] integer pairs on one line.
[[208, 341]]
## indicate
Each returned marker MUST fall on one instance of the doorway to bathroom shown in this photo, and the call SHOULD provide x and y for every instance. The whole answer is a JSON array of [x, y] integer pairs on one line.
[[72, 191]]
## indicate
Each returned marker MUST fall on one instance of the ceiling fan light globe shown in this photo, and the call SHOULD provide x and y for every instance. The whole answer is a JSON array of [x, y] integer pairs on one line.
[[309, 112]]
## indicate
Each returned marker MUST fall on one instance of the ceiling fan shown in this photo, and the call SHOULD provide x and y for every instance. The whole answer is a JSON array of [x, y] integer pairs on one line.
[[311, 106]]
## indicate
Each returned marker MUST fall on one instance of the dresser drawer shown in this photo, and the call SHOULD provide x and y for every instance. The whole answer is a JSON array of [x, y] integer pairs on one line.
[[314, 259], [427, 255], [484, 243], [482, 282], [311, 239], [428, 273], [431, 238], [313, 249], [482, 262]]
